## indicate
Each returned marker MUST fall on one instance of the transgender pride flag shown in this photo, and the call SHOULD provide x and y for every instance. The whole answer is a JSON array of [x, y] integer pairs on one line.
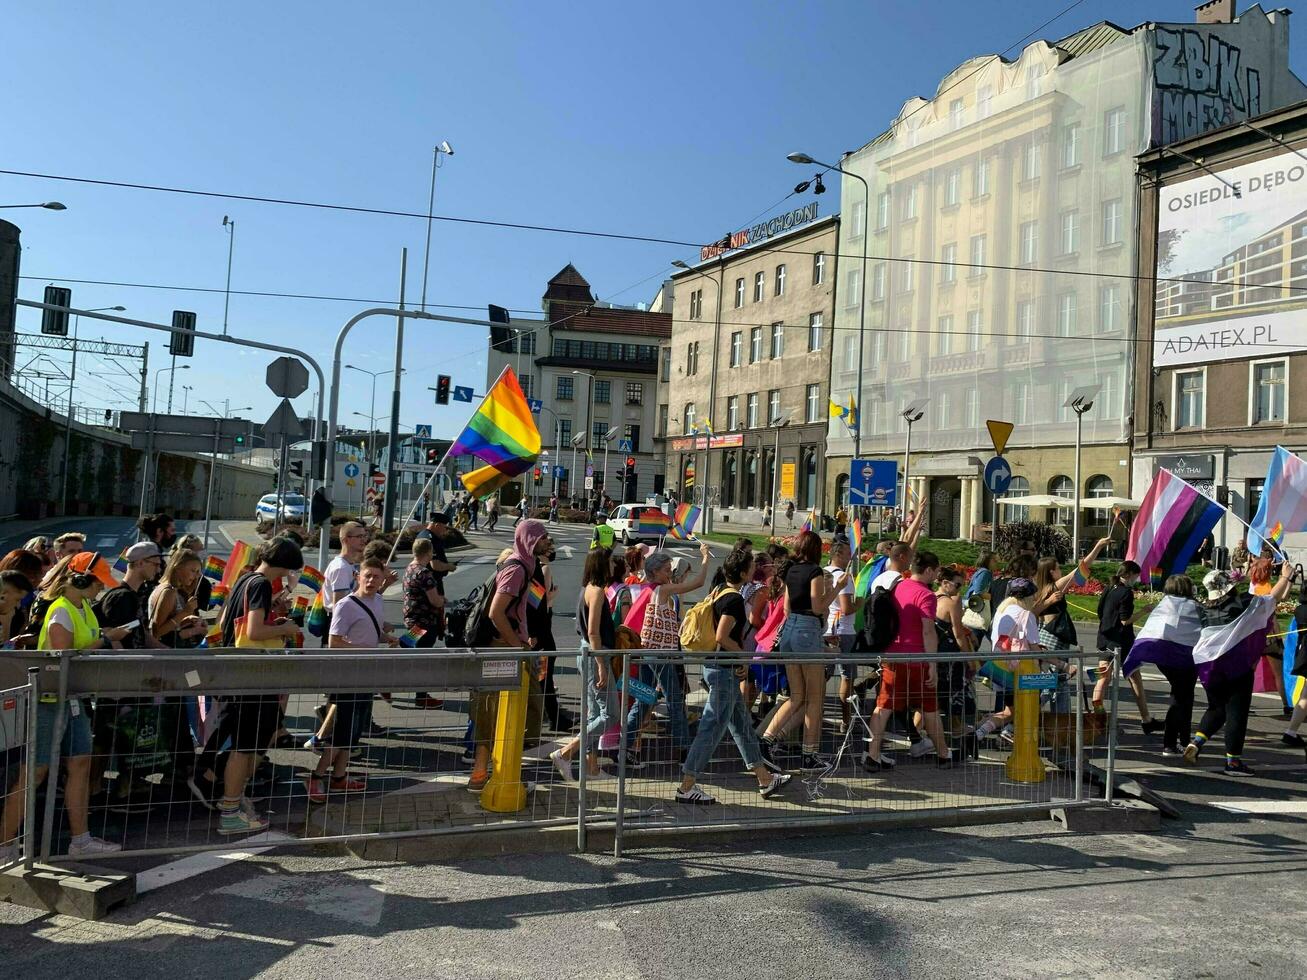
[[1171, 524], [1284, 502]]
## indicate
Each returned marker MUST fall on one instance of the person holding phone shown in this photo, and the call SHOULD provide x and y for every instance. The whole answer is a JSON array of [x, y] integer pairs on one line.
[[174, 619]]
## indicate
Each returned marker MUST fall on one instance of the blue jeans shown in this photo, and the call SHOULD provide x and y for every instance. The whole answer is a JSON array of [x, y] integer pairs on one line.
[[802, 633], [663, 674], [724, 711], [603, 705]]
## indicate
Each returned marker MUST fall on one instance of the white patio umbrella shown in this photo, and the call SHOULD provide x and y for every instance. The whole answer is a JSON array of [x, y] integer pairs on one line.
[[1107, 503], [1036, 500]]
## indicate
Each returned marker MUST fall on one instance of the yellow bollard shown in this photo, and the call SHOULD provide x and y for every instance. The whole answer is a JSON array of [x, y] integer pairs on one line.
[[504, 792], [1024, 764]]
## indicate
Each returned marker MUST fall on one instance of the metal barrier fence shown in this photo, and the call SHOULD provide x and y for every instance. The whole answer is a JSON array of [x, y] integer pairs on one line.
[[160, 741], [17, 735]]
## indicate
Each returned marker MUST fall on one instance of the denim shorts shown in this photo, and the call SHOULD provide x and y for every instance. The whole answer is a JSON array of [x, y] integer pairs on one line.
[[77, 732], [802, 633]]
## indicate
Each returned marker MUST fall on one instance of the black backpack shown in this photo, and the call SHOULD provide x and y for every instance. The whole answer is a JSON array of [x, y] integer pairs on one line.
[[880, 621], [478, 630]]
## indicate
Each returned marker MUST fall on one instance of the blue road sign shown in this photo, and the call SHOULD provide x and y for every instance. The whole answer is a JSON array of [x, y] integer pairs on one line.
[[998, 475], [560, 472], [351, 470], [872, 482], [462, 394], [422, 431], [624, 446], [537, 406]]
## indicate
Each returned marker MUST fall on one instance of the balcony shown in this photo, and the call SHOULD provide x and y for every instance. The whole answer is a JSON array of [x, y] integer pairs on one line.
[[940, 364]]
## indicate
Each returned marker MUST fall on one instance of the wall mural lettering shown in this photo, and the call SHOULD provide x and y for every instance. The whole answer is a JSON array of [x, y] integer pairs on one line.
[[1200, 84]]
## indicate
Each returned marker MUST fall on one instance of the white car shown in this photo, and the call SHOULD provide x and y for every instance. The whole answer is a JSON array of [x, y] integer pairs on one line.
[[623, 520], [294, 509]]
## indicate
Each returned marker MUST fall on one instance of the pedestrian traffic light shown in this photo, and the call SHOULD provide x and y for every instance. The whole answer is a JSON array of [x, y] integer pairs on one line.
[[536, 474], [442, 389], [433, 457], [630, 465]]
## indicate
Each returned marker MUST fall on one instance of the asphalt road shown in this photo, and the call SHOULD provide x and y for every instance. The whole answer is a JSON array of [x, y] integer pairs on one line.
[[107, 535]]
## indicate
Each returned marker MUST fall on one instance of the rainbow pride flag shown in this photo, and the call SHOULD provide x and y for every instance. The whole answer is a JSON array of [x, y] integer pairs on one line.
[[855, 535], [214, 637], [412, 637], [999, 674], [213, 568], [312, 578], [502, 434], [535, 594], [241, 557], [653, 523], [687, 516], [218, 595], [120, 563], [810, 522], [1081, 576]]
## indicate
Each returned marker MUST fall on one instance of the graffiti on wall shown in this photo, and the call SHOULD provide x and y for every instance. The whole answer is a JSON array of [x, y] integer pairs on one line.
[[1200, 84]]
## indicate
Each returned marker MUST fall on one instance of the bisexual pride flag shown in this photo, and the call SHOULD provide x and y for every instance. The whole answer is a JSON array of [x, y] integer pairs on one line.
[[1171, 524]]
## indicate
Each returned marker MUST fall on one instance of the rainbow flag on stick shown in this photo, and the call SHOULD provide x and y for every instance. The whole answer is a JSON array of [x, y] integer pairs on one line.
[[120, 563], [218, 595], [653, 523], [213, 567], [810, 522], [412, 637], [535, 593], [312, 578], [855, 535], [502, 434], [241, 557], [687, 516]]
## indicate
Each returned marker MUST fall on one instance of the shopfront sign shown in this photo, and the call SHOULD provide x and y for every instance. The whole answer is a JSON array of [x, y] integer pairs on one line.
[[1189, 466], [760, 232], [689, 444]]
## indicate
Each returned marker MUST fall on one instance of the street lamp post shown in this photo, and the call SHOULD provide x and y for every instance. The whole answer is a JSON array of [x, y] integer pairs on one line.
[[186, 397], [803, 158], [48, 205], [777, 423], [72, 380], [914, 412], [149, 447], [1080, 401], [589, 413], [712, 386], [230, 225], [372, 411]]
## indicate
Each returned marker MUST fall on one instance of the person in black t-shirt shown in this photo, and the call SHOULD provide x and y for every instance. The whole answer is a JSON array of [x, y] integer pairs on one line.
[[1116, 632], [128, 603], [725, 709]]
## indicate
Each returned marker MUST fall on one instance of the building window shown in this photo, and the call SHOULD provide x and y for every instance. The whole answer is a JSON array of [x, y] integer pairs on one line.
[[1019, 487], [852, 287], [751, 411], [977, 256], [662, 420], [877, 281], [902, 343], [1030, 161], [597, 432], [777, 340], [980, 178], [1066, 315], [984, 101], [819, 268], [1112, 222], [733, 412], [906, 269], [1189, 398], [909, 210], [688, 424], [696, 304], [882, 211], [1070, 243], [1029, 239], [1026, 318], [759, 286], [952, 187], [773, 405], [1255, 488], [1021, 403], [739, 293], [1106, 404], [780, 280], [603, 392], [631, 433], [851, 352], [635, 392], [563, 392], [813, 403], [737, 347], [956, 114], [858, 226], [945, 340], [948, 270], [1071, 145], [1064, 487], [755, 345], [1064, 393], [971, 408], [974, 326], [1109, 308], [666, 375], [528, 385], [1034, 81], [564, 432], [1268, 391], [1113, 131], [814, 331], [692, 358], [942, 410]]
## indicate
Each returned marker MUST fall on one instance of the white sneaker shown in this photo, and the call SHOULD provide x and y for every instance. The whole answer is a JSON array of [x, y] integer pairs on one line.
[[93, 845], [564, 767], [924, 747], [10, 854]]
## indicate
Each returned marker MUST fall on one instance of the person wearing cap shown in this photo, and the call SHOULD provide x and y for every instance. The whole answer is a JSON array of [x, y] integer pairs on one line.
[[1223, 604], [128, 603]]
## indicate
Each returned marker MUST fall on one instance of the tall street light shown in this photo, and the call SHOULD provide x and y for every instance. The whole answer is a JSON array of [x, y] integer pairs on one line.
[[712, 385], [447, 150], [72, 380], [1079, 401], [372, 409], [48, 205], [914, 412], [186, 397], [803, 158], [158, 374], [230, 225], [589, 412], [778, 422]]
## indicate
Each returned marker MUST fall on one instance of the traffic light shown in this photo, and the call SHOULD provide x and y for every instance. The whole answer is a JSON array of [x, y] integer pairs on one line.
[[433, 457], [54, 322], [182, 344], [630, 465], [536, 473], [240, 439], [442, 389], [297, 468]]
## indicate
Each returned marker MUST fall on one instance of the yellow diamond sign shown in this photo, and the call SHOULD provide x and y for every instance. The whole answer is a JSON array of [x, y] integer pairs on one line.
[[999, 433]]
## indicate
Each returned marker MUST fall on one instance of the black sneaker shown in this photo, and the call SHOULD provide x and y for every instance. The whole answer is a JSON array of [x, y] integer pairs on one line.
[[633, 761], [778, 782], [876, 765], [1237, 768], [1294, 739], [1152, 726], [813, 763], [947, 762], [1172, 752]]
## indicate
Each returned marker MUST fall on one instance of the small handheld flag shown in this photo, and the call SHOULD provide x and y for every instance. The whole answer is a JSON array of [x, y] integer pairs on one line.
[[311, 578], [687, 516], [535, 594], [241, 557], [411, 638], [213, 568], [810, 522], [653, 523], [855, 535]]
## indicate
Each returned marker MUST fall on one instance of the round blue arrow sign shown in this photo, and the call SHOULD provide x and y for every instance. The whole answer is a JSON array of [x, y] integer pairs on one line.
[[998, 475]]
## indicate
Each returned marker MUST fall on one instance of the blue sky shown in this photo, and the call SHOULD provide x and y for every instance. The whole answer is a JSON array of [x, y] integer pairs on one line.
[[665, 119]]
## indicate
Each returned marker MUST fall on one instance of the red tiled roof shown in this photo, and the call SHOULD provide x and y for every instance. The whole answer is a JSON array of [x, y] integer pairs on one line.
[[635, 323]]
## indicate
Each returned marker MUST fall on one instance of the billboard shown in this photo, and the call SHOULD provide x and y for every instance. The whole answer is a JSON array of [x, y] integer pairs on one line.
[[1229, 264]]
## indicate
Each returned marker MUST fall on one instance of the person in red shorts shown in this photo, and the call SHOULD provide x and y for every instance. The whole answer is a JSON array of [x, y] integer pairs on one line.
[[911, 684]]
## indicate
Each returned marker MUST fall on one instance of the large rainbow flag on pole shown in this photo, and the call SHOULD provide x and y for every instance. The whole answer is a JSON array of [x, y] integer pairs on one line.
[[502, 434], [1171, 524], [1283, 507]]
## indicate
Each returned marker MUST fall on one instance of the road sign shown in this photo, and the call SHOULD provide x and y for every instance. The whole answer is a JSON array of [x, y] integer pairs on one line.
[[287, 377], [378, 478], [178, 442], [536, 405], [422, 432], [462, 394], [198, 425], [998, 476], [283, 424], [414, 467], [589, 482], [872, 482], [589, 469], [624, 446], [351, 470], [559, 472], [999, 433], [349, 482]]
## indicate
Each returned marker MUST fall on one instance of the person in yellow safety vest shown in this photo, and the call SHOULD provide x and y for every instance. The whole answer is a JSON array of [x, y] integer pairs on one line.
[[603, 536]]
